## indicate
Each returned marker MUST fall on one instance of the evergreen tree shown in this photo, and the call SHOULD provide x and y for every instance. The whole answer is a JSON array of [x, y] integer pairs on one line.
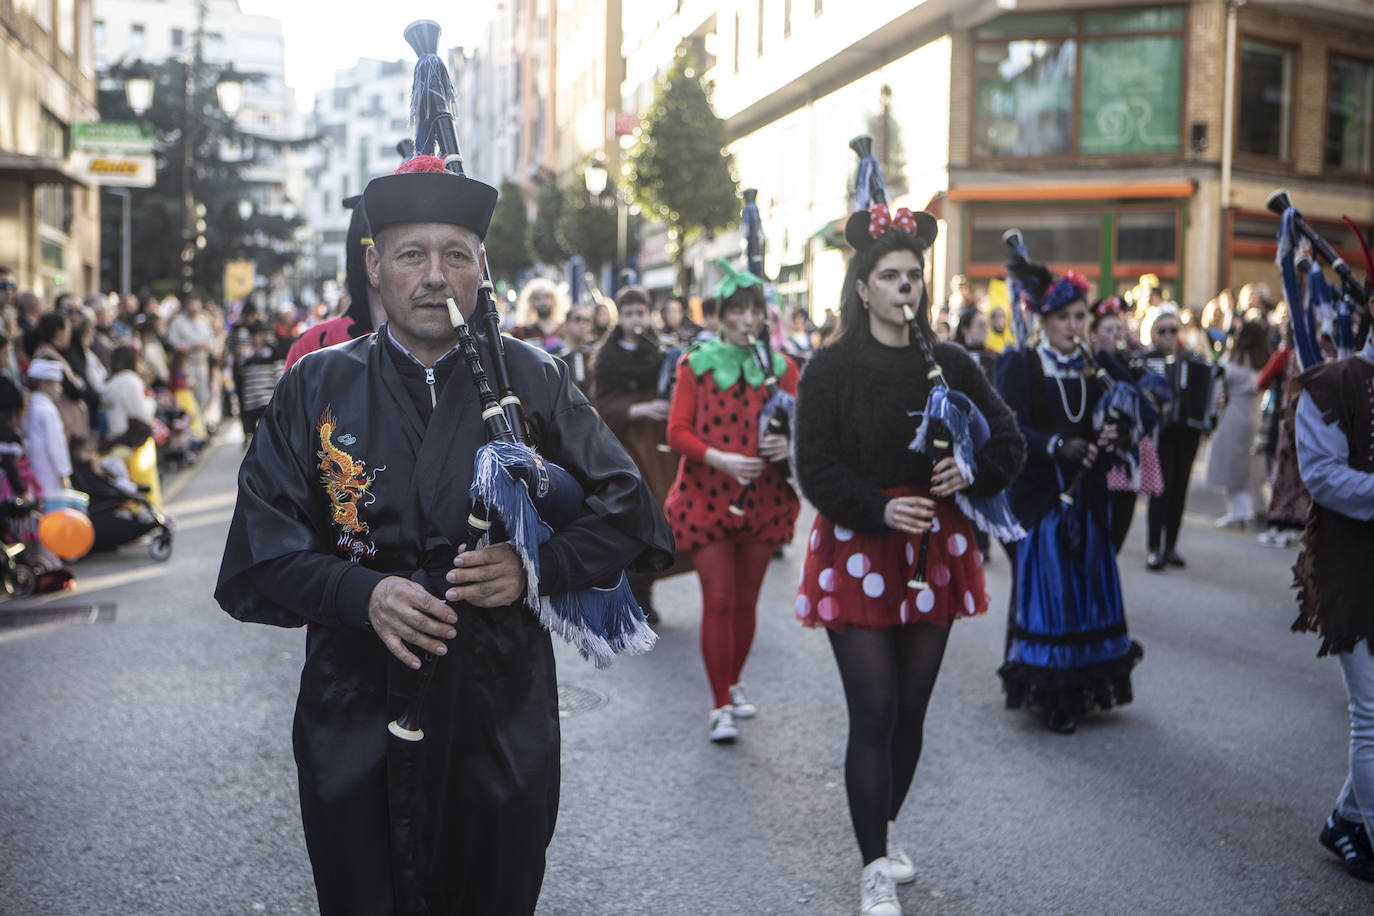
[[221, 154], [588, 225], [546, 237], [680, 171], [508, 238]]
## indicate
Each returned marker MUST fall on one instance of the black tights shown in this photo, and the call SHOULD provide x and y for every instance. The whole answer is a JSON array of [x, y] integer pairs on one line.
[[888, 675], [1177, 449]]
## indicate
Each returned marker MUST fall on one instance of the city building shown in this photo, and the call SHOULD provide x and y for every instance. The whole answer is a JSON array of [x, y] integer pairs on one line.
[[362, 121], [506, 92], [588, 77], [1146, 138], [156, 30], [49, 217], [794, 81], [1121, 138]]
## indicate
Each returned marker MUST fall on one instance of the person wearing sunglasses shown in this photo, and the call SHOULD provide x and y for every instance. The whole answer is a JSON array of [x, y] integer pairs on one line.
[[1178, 439]]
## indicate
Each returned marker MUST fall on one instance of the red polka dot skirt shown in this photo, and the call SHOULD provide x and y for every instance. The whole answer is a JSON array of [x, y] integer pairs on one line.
[[854, 578]]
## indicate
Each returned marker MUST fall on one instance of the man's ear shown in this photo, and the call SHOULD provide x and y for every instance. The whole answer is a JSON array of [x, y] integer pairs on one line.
[[372, 260]]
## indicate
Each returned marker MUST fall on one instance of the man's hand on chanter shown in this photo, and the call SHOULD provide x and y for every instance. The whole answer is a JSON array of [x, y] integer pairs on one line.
[[490, 577], [402, 611]]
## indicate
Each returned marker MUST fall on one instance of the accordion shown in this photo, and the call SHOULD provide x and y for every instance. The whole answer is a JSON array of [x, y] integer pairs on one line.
[[1194, 386]]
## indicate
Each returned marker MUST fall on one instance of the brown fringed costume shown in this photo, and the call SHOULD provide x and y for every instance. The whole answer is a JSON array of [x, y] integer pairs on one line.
[[1332, 573], [623, 377]]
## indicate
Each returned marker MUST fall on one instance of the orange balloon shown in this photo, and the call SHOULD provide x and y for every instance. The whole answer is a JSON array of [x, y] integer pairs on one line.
[[67, 533]]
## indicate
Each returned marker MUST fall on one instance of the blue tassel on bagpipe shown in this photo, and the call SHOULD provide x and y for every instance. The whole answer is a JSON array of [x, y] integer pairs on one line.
[[1305, 340], [1133, 413], [1159, 395], [780, 402], [968, 432], [511, 479], [1330, 312]]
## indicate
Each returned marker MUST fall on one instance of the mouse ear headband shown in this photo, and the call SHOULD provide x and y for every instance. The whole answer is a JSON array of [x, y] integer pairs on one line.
[[872, 220]]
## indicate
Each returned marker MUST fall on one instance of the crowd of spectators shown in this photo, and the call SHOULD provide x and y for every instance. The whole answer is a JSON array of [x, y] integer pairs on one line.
[[133, 386]]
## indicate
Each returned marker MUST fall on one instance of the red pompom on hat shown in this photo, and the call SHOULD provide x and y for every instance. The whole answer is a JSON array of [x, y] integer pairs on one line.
[[420, 164], [423, 191]]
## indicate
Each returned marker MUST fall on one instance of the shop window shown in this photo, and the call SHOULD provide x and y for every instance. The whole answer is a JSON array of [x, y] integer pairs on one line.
[[1025, 99], [1349, 106], [1146, 238], [1061, 238], [1097, 83], [1266, 100]]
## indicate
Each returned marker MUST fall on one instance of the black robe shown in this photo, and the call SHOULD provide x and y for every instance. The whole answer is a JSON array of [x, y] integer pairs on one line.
[[459, 822]]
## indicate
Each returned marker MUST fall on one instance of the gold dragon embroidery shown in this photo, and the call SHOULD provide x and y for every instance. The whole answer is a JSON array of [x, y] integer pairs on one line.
[[344, 477]]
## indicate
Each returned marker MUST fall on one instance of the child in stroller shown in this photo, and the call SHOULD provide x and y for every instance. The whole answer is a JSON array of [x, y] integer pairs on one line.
[[118, 511]]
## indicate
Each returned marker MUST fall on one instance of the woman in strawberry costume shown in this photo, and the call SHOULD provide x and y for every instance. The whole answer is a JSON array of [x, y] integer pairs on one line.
[[731, 504]]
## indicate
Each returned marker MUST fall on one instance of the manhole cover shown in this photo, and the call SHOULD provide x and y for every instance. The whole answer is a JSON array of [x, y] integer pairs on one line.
[[574, 701], [23, 618]]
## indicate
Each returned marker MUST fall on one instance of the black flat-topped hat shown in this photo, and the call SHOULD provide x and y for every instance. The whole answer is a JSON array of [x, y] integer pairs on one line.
[[423, 191]]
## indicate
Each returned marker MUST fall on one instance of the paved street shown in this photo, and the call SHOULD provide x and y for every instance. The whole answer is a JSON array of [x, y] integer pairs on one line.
[[146, 760]]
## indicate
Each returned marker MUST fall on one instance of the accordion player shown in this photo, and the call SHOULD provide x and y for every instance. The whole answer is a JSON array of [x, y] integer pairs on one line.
[[1194, 386]]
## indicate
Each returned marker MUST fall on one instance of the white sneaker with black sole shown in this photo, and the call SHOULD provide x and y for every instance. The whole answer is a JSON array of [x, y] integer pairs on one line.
[[740, 703], [723, 727], [877, 891]]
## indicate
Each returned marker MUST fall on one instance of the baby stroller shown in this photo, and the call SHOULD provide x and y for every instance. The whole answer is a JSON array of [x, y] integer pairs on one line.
[[18, 575], [119, 516]]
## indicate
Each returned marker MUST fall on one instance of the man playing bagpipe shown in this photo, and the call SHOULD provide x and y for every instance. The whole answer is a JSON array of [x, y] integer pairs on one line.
[[1334, 433], [353, 501]]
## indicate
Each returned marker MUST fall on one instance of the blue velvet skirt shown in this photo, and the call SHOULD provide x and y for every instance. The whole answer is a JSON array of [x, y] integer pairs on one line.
[[1069, 649]]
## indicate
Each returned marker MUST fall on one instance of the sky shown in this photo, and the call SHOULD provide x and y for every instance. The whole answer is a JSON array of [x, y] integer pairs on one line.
[[322, 37]]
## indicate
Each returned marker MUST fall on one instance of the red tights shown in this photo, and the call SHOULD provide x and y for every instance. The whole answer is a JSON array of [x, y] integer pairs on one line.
[[731, 573]]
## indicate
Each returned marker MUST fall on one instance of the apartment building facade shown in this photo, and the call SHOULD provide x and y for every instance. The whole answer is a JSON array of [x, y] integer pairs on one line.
[[49, 216]]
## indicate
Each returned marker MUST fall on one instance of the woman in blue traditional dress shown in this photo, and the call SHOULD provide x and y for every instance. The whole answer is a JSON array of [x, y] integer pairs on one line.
[[1068, 651]]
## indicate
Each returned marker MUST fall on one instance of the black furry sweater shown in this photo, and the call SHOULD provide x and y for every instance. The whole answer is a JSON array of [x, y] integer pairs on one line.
[[853, 424]]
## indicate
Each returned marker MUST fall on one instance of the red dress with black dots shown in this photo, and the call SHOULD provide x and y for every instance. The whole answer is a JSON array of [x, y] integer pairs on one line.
[[698, 506]]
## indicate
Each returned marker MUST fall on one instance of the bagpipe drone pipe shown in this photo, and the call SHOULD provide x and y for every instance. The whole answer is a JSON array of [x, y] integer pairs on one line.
[[667, 381], [1019, 273], [1314, 308], [951, 425], [515, 495], [775, 417]]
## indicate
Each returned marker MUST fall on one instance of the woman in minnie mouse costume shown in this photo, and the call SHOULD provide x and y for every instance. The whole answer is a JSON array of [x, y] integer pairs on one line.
[[877, 500], [731, 504], [1068, 649]]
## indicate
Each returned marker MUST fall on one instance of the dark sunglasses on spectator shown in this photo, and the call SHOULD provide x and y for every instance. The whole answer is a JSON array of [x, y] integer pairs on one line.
[[6, 284], [1158, 331]]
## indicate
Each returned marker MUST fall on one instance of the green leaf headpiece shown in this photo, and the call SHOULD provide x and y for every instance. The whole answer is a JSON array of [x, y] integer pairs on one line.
[[735, 279]]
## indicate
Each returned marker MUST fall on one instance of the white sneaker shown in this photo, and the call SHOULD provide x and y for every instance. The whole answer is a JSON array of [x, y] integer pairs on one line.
[[877, 891], [899, 866], [740, 703], [723, 726]]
